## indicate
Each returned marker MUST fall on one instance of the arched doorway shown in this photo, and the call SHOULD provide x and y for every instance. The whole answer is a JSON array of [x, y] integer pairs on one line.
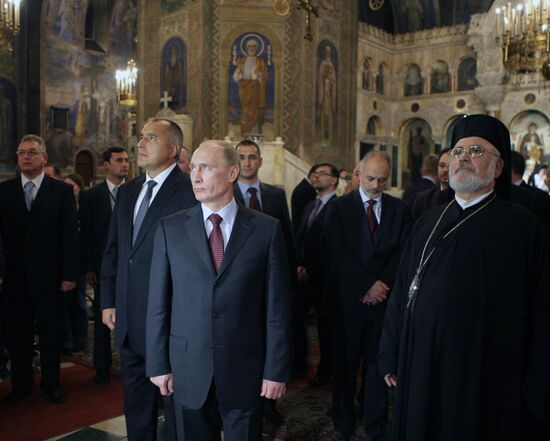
[[416, 142], [84, 165]]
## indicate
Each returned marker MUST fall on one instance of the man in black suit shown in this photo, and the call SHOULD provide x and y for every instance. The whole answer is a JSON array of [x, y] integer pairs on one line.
[[96, 206], [38, 222], [126, 264], [218, 326], [366, 231], [301, 196], [312, 273], [270, 200], [438, 195], [538, 200], [427, 181]]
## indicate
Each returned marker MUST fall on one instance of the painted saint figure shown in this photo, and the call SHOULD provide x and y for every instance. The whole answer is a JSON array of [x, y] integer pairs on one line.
[[251, 74], [531, 145], [326, 94], [419, 147]]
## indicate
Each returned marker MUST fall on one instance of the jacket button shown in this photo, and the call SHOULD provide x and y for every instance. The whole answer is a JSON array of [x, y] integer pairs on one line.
[[130, 261], [215, 315]]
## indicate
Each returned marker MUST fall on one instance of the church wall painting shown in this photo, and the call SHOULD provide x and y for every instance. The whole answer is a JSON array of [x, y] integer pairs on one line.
[[467, 71], [251, 86], [416, 142], [440, 78], [530, 135], [169, 6], [414, 83], [8, 118], [173, 74], [80, 80], [327, 92]]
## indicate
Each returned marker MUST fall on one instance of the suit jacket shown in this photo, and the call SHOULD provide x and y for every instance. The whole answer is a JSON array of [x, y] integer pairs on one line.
[[125, 267], [301, 196], [40, 246], [358, 261], [540, 204], [310, 243], [427, 199], [275, 205], [416, 187], [232, 326], [95, 218]]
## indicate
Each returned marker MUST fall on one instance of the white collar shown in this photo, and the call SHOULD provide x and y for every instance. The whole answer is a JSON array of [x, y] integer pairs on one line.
[[161, 177], [365, 197], [112, 186], [227, 213], [36, 181], [466, 204]]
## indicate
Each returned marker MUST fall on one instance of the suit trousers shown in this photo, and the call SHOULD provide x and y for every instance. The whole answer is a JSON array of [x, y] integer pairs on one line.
[[103, 358], [206, 423], [359, 334], [141, 399], [26, 311]]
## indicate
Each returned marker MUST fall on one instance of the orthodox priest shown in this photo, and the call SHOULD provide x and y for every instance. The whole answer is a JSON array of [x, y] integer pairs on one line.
[[466, 338]]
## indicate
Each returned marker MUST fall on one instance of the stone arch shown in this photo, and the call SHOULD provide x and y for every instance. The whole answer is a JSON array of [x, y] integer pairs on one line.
[[173, 73], [85, 166], [374, 126], [415, 142], [413, 83], [367, 73], [448, 129]]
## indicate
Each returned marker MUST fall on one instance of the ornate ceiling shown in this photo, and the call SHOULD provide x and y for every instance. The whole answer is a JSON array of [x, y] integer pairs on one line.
[[400, 16]]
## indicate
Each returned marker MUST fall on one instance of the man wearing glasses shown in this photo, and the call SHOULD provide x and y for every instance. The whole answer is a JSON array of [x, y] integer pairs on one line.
[[38, 223], [312, 273], [466, 340]]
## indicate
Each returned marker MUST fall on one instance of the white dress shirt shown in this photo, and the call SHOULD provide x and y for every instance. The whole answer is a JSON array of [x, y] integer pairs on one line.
[[465, 204], [227, 213], [246, 195], [36, 181], [377, 207], [159, 179]]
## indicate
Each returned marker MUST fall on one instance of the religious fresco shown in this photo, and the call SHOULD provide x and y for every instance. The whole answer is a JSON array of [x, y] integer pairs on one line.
[[366, 75], [173, 74], [251, 85], [327, 91], [414, 83], [416, 142], [380, 79], [79, 74], [467, 71], [8, 117], [169, 6], [440, 79], [530, 133]]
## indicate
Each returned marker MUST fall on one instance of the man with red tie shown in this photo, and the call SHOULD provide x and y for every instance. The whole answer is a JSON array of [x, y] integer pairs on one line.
[[218, 317], [366, 231]]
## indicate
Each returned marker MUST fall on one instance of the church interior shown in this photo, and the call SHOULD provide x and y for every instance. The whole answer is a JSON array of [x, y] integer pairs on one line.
[[334, 79]]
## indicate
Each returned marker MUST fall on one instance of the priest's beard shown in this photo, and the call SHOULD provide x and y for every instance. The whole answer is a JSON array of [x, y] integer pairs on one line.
[[465, 179]]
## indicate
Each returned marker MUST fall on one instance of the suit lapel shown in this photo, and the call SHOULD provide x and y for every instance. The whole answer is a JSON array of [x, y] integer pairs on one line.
[[105, 196], [238, 194], [127, 206], [388, 209], [169, 186], [267, 199], [360, 215], [43, 193], [195, 229], [239, 234]]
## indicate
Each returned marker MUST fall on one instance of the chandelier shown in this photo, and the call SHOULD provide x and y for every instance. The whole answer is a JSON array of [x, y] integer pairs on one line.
[[126, 84], [9, 24]]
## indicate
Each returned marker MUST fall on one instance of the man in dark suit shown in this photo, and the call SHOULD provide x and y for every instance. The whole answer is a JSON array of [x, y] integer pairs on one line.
[[312, 273], [427, 181], [126, 264], [301, 196], [270, 200], [38, 223], [366, 231], [437, 195], [538, 201], [221, 270], [96, 205]]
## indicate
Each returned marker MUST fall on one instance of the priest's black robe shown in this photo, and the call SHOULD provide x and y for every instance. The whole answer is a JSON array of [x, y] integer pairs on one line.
[[471, 353]]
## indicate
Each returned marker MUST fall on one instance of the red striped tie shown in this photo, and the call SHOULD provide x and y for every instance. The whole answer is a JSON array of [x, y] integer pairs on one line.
[[216, 240], [371, 217]]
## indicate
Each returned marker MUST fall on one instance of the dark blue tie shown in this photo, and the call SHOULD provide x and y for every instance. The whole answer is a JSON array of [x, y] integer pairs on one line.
[[142, 211]]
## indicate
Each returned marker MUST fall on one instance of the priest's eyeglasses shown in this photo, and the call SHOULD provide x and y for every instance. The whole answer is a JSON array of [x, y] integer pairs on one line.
[[473, 151]]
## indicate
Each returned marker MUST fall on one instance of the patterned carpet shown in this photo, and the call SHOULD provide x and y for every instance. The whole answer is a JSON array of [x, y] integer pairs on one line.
[[304, 409]]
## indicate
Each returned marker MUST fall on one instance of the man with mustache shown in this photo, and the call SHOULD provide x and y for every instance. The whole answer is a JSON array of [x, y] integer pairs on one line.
[[466, 340]]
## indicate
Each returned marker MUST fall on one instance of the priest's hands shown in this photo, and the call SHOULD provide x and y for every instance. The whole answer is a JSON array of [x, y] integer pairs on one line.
[[377, 293], [165, 383], [301, 274], [273, 389], [108, 317], [391, 380]]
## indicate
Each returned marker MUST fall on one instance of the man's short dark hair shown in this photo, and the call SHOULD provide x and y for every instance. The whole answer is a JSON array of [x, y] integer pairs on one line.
[[517, 162], [248, 142], [442, 152], [334, 172], [175, 135], [56, 169], [311, 170], [106, 155]]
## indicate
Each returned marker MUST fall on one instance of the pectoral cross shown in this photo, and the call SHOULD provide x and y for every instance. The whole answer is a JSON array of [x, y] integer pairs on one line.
[[165, 100], [310, 9], [413, 289]]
